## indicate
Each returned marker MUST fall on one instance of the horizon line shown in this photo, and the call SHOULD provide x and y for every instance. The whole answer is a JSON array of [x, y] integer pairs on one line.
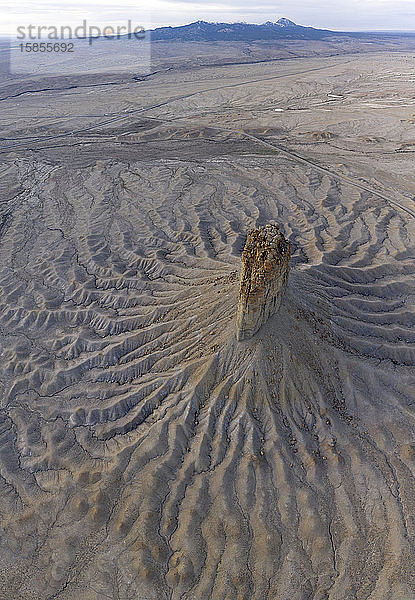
[[4, 34]]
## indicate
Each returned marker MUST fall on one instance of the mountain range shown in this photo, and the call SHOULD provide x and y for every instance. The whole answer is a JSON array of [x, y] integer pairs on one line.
[[203, 31]]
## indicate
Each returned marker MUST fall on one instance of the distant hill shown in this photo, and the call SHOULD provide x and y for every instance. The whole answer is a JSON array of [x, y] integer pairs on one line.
[[203, 31]]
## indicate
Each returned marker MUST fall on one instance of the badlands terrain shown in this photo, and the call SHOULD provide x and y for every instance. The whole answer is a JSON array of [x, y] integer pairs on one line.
[[145, 452]]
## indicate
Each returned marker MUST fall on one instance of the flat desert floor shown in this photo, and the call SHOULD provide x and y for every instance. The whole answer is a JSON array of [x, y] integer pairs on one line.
[[145, 453]]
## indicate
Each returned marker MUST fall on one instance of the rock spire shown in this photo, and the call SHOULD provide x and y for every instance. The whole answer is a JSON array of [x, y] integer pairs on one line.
[[265, 267]]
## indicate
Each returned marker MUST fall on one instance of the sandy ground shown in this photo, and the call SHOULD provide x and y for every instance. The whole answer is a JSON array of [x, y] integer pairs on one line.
[[146, 454]]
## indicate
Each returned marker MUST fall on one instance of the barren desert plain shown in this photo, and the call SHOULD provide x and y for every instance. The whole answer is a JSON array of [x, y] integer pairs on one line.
[[145, 452]]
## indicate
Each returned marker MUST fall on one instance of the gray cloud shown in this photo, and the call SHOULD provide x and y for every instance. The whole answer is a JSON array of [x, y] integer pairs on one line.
[[330, 14], [351, 15]]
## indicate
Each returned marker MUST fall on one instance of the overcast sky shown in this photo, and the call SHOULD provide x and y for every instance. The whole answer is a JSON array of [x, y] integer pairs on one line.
[[351, 15]]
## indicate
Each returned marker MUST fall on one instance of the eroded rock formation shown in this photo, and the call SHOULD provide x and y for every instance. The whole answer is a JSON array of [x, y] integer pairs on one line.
[[265, 267]]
